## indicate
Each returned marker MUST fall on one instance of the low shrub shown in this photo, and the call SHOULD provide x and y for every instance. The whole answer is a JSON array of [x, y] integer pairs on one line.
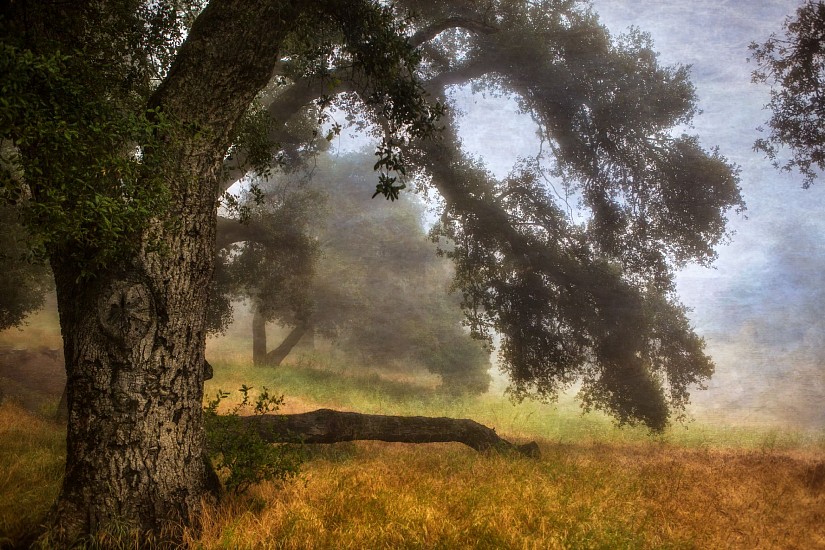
[[240, 455]]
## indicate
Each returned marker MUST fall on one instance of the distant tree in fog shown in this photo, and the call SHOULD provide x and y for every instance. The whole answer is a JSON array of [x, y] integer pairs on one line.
[[793, 63], [333, 264]]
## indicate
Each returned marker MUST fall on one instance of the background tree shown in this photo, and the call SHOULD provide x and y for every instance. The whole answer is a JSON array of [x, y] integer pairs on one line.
[[793, 63], [126, 141], [378, 289], [271, 263]]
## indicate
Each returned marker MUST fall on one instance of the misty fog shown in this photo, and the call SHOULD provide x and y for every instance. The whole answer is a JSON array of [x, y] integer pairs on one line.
[[760, 307]]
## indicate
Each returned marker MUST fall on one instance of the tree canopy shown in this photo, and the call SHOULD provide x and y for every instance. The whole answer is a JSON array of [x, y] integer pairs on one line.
[[590, 301], [793, 63], [127, 120]]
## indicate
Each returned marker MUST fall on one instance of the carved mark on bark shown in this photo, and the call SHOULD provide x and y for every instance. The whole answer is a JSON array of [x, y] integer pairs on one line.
[[126, 313]]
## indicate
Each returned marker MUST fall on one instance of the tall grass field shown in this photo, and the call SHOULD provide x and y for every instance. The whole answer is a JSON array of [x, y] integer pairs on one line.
[[697, 485]]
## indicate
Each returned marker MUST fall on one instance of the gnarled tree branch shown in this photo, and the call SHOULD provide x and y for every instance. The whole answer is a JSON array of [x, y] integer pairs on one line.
[[428, 33], [231, 231], [283, 107]]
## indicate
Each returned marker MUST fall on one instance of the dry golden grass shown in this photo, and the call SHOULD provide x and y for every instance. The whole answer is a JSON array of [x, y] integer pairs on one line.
[[371, 495], [32, 455], [594, 487], [578, 495]]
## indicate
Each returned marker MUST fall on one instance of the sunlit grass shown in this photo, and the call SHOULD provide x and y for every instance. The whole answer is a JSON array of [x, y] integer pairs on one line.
[[308, 384], [577, 495], [595, 486], [370, 495]]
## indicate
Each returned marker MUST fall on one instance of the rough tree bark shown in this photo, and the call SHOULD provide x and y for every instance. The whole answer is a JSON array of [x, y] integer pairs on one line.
[[328, 426], [134, 337]]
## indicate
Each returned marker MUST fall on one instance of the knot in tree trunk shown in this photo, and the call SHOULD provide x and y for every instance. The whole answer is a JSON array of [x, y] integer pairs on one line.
[[126, 312]]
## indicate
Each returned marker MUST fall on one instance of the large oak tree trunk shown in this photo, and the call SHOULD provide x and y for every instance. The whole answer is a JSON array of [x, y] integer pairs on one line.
[[134, 360], [134, 336], [328, 426]]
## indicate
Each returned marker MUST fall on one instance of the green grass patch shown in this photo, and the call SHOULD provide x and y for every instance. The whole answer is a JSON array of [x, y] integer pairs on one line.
[[308, 384]]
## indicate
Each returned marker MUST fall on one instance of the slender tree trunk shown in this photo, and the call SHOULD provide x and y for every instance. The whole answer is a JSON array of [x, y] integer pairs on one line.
[[276, 356], [328, 426], [258, 338]]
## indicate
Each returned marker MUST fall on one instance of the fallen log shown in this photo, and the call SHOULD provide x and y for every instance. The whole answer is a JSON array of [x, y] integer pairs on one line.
[[328, 426]]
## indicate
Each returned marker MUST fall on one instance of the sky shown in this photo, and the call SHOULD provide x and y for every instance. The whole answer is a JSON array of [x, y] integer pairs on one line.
[[760, 306]]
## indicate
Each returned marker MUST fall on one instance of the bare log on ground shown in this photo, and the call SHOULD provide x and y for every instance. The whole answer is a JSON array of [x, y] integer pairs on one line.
[[328, 426]]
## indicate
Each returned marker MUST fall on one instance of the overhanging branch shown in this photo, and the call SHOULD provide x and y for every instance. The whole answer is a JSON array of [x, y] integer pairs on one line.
[[283, 107], [428, 33], [231, 231]]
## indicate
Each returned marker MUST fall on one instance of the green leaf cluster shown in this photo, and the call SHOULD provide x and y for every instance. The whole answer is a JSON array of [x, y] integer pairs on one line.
[[793, 63], [76, 162], [240, 455], [365, 43], [23, 280], [252, 137]]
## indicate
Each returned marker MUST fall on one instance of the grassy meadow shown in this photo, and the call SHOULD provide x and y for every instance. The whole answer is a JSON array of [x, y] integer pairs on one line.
[[595, 486]]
